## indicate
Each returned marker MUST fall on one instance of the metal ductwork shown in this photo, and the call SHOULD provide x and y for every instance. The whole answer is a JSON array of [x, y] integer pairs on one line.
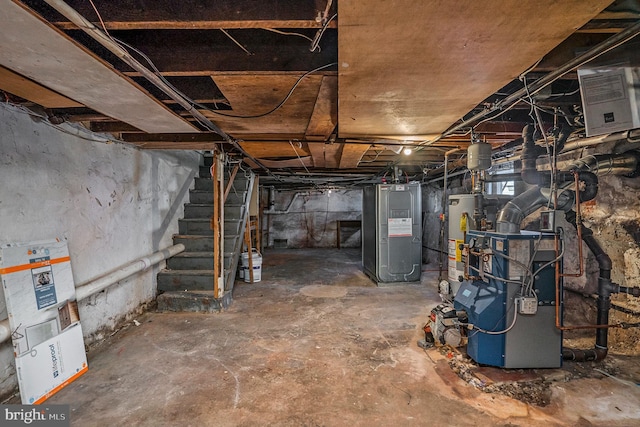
[[588, 169]]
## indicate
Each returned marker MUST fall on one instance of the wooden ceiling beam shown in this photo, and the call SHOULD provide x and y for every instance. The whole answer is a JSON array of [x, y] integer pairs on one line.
[[176, 138], [606, 26], [332, 154], [324, 117], [289, 163], [200, 52], [46, 55], [201, 25], [262, 150], [351, 155], [24, 88], [112, 127], [183, 145], [317, 153], [159, 14]]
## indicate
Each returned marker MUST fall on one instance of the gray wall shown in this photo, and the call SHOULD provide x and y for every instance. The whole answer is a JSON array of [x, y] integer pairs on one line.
[[111, 202], [310, 218]]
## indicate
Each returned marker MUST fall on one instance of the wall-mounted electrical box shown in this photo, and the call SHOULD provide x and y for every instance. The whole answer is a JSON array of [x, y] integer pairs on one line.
[[548, 221], [610, 99]]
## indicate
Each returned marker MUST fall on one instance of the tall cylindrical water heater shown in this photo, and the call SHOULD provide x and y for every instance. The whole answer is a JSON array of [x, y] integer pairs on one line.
[[460, 220]]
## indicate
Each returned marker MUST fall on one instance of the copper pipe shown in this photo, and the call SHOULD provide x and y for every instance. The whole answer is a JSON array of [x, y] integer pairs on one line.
[[559, 324]]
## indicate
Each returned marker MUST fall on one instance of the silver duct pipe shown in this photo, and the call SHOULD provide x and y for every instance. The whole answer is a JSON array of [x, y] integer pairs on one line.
[[517, 209], [608, 164], [629, 136]]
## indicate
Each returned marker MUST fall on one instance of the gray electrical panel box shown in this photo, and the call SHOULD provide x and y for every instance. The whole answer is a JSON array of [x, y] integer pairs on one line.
[[392, 232]]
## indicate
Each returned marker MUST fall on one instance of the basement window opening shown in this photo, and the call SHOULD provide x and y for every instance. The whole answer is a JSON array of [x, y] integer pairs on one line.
[[502, 188]]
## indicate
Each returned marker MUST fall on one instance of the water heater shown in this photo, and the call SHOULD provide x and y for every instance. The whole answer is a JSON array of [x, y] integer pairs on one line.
[[460, 221]]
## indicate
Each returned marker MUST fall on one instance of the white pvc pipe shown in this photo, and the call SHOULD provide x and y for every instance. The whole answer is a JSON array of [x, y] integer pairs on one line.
[[85, 290]]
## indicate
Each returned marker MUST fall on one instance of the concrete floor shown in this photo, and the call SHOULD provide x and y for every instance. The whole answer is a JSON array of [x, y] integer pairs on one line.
[[314, 344]]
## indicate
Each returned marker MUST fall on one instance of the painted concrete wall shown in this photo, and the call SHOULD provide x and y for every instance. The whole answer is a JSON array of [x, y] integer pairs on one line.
[[111, 202], [307, 219]]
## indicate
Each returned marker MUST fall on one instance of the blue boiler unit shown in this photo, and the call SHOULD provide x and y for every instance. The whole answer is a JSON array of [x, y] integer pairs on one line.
[[511, 302]]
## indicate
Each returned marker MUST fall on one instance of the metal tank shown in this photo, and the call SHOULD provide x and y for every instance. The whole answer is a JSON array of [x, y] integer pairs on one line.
[[459, 205]]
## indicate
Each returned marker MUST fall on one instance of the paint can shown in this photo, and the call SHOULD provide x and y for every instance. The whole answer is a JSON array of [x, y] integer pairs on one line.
[[256, 259]]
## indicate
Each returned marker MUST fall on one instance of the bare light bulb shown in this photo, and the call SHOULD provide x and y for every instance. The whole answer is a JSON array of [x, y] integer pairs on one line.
[[407, 151]]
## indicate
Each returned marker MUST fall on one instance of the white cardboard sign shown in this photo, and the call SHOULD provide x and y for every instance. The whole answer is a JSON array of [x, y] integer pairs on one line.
[[43, 315]]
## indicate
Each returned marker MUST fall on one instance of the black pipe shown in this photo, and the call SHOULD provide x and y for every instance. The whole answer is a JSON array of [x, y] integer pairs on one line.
[[631, 290], [605, 289], [531, 175]]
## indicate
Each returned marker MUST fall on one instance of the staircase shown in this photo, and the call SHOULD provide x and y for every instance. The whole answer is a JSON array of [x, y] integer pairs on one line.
[[187, 282]]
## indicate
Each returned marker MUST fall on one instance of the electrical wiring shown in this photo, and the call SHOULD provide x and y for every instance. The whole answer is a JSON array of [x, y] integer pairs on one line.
[[298, 155], [528, 70], [504, 331], [485, 331], [288, 33], [44, 119], [515, 261], [501, 112], [316, 40], [280, 104], [236, 41], [374, 159], [502, 279], [124, 45]]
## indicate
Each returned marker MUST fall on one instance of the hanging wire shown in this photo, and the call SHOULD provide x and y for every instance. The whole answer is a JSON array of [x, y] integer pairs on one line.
[[279, 105], [298, 155], [288, 33], [236, 41], [316, 40]]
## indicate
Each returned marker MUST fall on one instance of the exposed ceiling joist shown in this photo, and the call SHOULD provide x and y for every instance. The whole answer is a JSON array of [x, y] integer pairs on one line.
[[21, 86], [351, 155], [183, 141], [48, 56], [324, 117], [266, 150], [194, 14]]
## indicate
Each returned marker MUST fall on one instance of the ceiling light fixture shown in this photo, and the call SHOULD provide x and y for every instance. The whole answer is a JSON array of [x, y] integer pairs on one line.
[[407, 151]]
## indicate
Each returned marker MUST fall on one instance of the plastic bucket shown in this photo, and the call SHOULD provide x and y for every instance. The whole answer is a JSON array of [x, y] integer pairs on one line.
[[257, 266]]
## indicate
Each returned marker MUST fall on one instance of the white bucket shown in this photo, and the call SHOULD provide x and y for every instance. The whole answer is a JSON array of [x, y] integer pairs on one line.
[[257, 266]]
